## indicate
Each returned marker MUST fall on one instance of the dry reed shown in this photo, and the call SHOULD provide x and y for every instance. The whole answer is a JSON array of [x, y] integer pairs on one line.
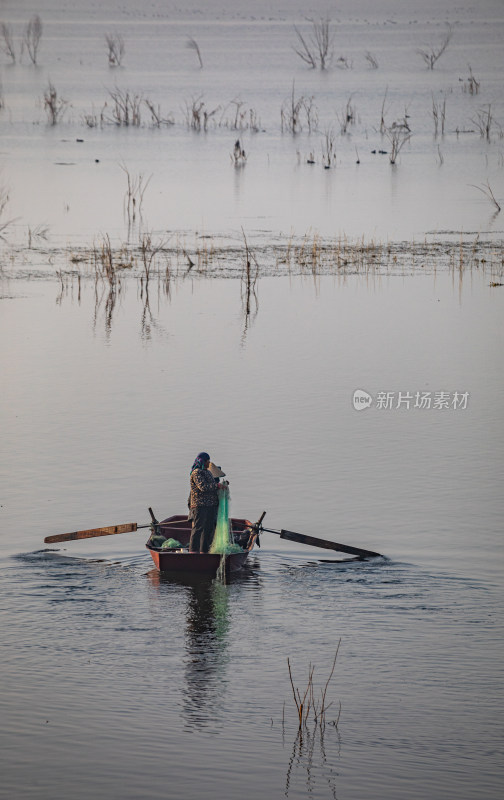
[[487, 191], [193, 45], [125, 108], [298, 110], [115, 49], [134, 195], [310, 707], [54, 105], [471, 85], [484, 121]]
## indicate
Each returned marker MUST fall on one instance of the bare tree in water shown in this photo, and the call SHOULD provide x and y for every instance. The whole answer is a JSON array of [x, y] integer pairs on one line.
[[8, 41], [431, 55], [318, 48], [32, 37]]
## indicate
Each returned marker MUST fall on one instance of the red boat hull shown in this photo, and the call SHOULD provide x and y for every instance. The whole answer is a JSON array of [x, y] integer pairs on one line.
[[205, 564]]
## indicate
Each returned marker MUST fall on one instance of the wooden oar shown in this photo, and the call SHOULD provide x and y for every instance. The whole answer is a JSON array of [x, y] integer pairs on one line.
[[110, 530], [128, 527], [327, 545]]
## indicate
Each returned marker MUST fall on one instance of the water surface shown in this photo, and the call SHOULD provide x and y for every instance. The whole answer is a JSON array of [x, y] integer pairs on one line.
[[116, 680]]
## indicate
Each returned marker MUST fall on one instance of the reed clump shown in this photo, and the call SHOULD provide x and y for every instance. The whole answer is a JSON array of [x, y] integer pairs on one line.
[[471, 85], [243, 118], [205, 252], [398, 134], [125, 108], [134, 195], [108, 263], [439, 115], [347, 117], [158, 119], [329, 149], [54, 105], [115, 49], [312, 707], [484, 121], [197, 116], [104, 261], [308, 255], [297, 112], [150, 251]]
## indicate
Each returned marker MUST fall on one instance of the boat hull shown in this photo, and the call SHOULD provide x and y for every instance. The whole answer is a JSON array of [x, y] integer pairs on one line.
[[204, 564]]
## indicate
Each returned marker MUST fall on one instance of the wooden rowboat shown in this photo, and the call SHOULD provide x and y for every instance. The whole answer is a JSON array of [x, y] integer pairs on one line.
[[181, 561]]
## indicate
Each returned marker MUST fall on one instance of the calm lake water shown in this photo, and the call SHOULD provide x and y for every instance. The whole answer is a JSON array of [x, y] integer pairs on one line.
[[115, 681]]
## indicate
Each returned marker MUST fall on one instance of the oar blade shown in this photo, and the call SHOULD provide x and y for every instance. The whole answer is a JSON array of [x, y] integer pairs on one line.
[[127, 527], [327, 545]]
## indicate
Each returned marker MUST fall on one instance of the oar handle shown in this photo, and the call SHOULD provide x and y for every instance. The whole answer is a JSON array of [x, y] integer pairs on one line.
[[155, 523], [258, 523]]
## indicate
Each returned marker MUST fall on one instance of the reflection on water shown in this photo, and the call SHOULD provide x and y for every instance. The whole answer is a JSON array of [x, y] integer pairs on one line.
[[109, 656], [206, 655], [206, 658], [101, 654], [309, 753], [149, 322], [309, 761], [310, 258], [106, 298]]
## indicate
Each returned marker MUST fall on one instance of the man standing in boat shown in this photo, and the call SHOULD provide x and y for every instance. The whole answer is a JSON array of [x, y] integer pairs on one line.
[[203, 500]]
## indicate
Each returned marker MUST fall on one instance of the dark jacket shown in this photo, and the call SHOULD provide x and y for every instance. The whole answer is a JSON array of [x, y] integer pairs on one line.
[[204, 490]]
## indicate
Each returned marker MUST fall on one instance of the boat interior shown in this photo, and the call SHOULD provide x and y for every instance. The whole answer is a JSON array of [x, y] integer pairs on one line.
[[179, 527]]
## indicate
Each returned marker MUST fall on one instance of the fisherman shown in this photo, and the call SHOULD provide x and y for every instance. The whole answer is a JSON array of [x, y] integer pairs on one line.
[[203, 501]]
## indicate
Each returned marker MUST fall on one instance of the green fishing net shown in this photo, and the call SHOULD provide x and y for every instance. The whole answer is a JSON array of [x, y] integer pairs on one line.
[[157, 541], [222, 541], [171, 544], [229, 548]]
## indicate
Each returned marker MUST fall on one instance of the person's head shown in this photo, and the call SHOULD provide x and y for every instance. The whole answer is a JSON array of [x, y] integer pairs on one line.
[[201, 461]]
